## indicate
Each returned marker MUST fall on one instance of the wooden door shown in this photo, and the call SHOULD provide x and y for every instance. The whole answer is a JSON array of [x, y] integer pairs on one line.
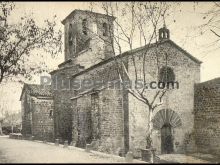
[[166, 139]]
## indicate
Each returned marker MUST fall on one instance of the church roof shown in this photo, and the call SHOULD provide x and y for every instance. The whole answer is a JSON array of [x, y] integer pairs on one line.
[[161, 42], [37, 90], [211, 83], [88, 12], [127, 53]]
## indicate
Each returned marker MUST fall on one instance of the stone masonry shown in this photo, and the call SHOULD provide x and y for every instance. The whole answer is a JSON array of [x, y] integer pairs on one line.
[[207, 114]]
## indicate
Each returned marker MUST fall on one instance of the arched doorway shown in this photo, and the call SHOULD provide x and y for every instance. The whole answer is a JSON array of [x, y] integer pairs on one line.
[[165, 121]]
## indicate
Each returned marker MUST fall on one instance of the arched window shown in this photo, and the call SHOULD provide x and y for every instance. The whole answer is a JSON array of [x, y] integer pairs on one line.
[[84, 26], [166, 74], [105, 29]]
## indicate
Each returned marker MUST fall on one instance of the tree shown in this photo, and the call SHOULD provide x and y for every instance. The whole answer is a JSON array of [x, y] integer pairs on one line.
[[19, 40], [12, 119], [140, 19], [209, 25], [1, 120], [3, 108], [212, 20]]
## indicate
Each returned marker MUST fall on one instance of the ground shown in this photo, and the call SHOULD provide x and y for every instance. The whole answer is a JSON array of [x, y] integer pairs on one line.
[[181, 158], [24, 151]]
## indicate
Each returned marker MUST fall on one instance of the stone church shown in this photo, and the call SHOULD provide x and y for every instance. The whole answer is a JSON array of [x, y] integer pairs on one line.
[[114, 121]]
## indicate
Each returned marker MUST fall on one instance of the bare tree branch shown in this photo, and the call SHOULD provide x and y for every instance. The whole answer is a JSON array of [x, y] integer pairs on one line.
[[214, 33]]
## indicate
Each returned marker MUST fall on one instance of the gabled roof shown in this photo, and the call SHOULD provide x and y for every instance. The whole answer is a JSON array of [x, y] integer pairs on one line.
[[127, 53], [37, 90], [88, 12], [65, 62], [77, 67], [161, 42], [186, 53]]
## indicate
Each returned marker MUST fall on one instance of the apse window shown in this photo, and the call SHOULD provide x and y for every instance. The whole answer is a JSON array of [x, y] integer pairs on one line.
[[84, 26]]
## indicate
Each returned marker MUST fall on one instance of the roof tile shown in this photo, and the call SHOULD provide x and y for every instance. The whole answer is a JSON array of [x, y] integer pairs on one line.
[[40, 90]]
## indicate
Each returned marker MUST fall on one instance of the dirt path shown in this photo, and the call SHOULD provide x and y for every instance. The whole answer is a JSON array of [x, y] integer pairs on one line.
[[23, 151]]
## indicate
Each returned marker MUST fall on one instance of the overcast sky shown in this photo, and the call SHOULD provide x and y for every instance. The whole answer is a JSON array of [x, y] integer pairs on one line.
[[182, 26]]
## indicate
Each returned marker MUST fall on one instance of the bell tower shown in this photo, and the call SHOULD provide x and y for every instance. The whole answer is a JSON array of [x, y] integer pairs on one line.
[[88, 30], [164, 33]]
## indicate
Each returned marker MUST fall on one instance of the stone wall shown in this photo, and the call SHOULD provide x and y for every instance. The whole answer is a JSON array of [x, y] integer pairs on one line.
[[207, 117], [98, 119], [104, 109], [62, 103], [42, 119], [62, 116], [112, 128], [83, 123]]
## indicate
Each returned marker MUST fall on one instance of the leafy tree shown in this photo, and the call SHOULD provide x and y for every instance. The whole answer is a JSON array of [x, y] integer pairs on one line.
[[18, 41]]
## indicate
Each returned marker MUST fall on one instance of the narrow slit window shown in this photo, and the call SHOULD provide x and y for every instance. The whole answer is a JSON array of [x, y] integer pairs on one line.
[[70, 35], [51, 114], [84, 26], [105, 29]]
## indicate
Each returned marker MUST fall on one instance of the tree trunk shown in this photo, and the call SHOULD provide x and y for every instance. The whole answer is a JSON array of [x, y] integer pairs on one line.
[[1, 133], [150, 129], [150, 122], [149, 136], [2, 74], [12, 129]]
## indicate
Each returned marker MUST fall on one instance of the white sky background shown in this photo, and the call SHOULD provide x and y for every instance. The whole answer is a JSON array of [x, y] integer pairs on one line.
[[183, 33]]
